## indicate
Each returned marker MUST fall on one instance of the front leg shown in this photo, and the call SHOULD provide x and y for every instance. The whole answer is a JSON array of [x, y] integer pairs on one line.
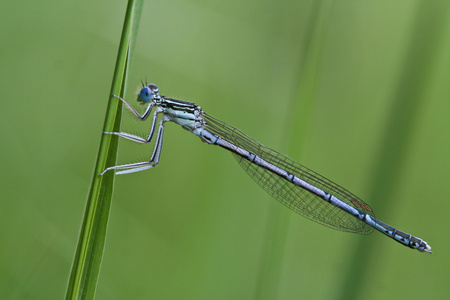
[[128, 105]]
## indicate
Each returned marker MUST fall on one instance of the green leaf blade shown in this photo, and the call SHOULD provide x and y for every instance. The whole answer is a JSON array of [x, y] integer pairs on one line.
[[88, 256]]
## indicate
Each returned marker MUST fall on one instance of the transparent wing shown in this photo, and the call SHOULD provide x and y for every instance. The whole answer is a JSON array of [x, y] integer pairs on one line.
[[294, 197]]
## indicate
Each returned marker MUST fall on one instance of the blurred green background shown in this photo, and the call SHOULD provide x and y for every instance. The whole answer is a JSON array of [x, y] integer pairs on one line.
[[356, 90]]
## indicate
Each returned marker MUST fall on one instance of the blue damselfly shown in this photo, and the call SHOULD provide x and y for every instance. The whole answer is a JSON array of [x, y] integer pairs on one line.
[[297, 187]]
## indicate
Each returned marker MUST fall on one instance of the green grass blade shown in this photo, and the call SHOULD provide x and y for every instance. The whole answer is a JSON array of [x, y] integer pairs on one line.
[[88, 257]]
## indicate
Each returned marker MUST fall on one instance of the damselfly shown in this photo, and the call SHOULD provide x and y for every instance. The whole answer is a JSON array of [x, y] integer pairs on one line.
[[297, 187]]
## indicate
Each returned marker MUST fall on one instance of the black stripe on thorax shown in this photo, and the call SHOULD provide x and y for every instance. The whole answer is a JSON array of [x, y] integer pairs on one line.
[[175, 104]]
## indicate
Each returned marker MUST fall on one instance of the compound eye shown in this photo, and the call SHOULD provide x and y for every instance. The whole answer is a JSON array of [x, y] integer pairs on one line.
[[145, 95]]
